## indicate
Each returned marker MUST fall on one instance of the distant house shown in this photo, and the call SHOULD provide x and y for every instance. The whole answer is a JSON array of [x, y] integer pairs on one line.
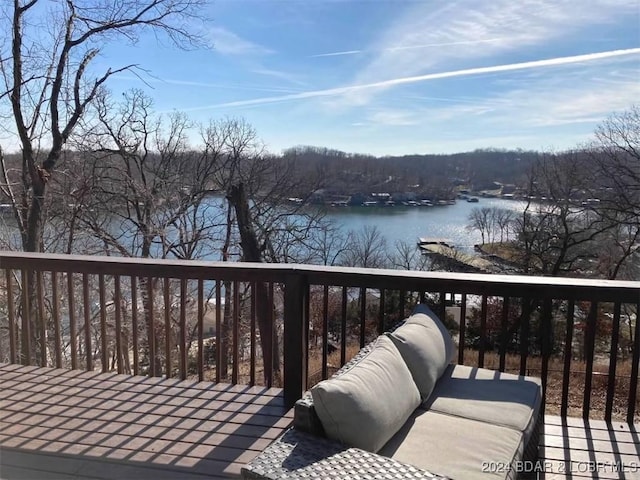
[[508, 189]]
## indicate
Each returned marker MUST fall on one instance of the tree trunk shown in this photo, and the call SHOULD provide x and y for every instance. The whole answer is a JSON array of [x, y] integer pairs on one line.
[[32, 242], [251, 252]]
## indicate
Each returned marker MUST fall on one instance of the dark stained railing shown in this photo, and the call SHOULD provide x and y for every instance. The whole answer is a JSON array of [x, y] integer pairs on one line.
[[149, 317]]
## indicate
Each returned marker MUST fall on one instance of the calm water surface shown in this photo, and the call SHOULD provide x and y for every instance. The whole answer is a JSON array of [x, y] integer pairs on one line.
[[408, 223]]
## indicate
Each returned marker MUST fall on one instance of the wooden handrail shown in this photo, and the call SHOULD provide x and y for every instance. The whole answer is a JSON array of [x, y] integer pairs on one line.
[[569, 288], [165, 337]]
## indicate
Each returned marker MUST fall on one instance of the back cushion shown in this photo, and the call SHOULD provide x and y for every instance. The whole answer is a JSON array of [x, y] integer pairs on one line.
[[426, 346], [365, 406]]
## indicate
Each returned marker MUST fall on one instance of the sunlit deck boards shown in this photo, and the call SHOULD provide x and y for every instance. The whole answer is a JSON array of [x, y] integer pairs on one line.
[[72, 424], [574, 449], [68, 424]]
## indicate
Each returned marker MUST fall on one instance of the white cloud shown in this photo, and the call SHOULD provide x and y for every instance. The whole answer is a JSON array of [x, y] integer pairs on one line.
[[544, 103], [471, 30], [393, 118], [287, 77], [228, 43]]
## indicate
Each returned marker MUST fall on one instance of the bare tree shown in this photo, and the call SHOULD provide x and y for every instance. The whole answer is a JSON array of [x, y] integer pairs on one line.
[[327, 245], [558, 230], [407, 256], [367, 249], [615, 153], [482, 219], [48, 84], [503, 222], [48, 88], [148, 188]]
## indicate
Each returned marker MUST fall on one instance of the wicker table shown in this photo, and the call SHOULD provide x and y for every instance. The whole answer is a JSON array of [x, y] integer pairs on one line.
[[298, 455]]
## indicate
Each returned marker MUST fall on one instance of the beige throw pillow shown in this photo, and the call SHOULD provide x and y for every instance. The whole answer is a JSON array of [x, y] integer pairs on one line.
[[426, 346], [367, 405]]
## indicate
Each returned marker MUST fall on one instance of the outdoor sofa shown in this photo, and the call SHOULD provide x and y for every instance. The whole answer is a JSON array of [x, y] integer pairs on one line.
[[399, 409]]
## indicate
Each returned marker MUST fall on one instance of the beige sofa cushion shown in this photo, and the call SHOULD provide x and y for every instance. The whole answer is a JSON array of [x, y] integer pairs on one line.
[[426, 346], [365, 406], [488, 396], [456, 447]]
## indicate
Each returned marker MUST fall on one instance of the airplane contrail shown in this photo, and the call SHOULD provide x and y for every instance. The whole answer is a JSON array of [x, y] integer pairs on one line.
[[405, 47], [423, 78]]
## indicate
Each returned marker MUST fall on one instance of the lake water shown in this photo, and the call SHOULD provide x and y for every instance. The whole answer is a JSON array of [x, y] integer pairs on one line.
[[405, 223], [409, 223]]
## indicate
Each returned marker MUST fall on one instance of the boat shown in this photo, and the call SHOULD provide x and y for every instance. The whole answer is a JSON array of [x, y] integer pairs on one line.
[[472, 200]]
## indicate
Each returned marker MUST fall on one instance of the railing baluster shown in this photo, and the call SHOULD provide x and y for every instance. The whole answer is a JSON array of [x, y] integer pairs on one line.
[[167, 327], [403, 298], [274, 338], [381, 313], [200, 361], [461, 334], [218, 329], [11, 314], [633, 382], [26, 319], [252, 336], [524, 334], [613, 362], [151, 330], [235, 333], [42, 319], [590, 342], [183, 329], [88, 349], [443, 306], [55, 310], [483, 331], [325, 330], [307, 326], [343, 328], [568, 354], [73, 334], [103, 324], [117, 298], [503, 333], [134, 324], [363, 316], [545, 334]]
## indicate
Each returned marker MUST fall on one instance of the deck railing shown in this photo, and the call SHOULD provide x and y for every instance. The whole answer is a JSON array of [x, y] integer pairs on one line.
[[292, 325]]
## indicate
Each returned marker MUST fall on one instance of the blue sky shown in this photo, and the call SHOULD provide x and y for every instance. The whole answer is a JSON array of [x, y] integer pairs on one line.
[[391, 77]]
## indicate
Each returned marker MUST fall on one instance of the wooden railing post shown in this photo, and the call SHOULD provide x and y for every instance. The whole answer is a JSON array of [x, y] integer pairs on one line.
[[296, 297]]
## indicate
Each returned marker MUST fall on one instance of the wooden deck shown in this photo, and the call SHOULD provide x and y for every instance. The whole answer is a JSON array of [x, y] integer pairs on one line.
[[66, 424], [574, 449], [61, 424]]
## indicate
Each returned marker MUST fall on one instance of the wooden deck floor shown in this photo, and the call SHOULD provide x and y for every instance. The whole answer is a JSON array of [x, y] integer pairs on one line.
[[61, 424], [68, 424], [574, 449]]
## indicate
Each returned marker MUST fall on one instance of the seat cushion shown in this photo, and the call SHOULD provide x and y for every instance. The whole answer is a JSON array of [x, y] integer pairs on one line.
[[488, 396], [365, 406], [456, 447], [426, 346]]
